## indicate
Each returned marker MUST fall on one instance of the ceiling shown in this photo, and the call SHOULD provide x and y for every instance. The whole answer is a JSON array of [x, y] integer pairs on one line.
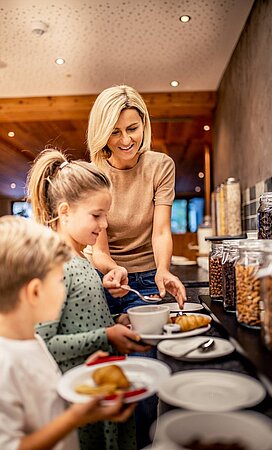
[[104, 42], [138, 42]]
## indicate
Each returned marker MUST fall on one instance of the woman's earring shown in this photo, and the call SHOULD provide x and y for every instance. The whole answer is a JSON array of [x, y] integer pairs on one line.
[[63, 222], [106, 153]]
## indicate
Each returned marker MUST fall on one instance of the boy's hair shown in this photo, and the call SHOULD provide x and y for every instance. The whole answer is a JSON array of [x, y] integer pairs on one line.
[[104, 115], [27, 251], [53, 179]]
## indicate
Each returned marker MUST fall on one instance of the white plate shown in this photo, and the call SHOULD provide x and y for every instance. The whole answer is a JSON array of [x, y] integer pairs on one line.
[[174, 348], [186, 307], [183, 263], [141, 372], [253, 430], [178, 259], [153, 339], [211, 390]]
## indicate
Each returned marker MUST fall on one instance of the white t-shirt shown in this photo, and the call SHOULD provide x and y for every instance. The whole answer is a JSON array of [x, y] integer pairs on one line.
[[28, 396]]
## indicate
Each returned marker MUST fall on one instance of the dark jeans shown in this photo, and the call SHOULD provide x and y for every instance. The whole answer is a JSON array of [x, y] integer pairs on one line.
[[146, 410], [144, 282]]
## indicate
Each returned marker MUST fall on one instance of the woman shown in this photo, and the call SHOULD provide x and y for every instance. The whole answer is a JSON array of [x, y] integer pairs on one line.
[[137, 246]]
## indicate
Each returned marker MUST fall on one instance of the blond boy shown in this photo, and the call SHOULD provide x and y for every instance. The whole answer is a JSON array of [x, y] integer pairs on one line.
[[32, 415]]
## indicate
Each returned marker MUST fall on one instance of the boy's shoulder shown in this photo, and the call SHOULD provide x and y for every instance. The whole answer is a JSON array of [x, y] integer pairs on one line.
[[10, 355], [21, 361]]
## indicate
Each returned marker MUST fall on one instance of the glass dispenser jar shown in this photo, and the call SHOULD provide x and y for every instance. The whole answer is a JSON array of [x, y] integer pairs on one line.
[[222, 211], [229, 259], [232, 196], [265, 275], [215, 270], [248, 284], [204, 230], [264, 216]]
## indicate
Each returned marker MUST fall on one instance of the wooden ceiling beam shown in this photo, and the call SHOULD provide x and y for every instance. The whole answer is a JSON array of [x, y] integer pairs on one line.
[[78, 107]]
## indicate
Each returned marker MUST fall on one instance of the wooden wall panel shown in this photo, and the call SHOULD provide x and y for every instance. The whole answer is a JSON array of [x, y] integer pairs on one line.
[[181, 242], [177, 126]]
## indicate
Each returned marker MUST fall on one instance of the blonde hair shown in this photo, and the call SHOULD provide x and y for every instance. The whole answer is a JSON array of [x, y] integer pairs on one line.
[[53, 179], [104, 115], [27, 251]]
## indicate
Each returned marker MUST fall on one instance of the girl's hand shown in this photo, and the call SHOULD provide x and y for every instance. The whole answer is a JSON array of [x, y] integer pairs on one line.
[[94, 411], [125, 340], [123, 319], [114, 279], [166, 281], [96, 355]]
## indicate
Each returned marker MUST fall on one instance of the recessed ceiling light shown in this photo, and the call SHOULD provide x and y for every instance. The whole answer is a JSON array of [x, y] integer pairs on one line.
[[60, 61], [197, 188], [11, 134], [13, 185], [206, 127], [200, 174], [185, 19], [174, 83]]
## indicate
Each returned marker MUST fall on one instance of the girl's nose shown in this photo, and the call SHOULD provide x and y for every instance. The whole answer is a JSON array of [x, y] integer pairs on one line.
[[103, 223]]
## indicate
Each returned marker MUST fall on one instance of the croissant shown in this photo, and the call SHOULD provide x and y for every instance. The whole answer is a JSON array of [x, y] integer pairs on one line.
[[113, 375], [191, 322]]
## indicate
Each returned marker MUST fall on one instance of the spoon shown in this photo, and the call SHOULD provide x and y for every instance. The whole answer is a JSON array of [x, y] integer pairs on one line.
[[204, 347], [145, 298]]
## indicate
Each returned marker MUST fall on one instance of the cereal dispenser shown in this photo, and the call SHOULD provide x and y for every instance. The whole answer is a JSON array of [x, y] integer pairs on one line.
[[248, 284], [264, 216], [215, 270], [230, 256]]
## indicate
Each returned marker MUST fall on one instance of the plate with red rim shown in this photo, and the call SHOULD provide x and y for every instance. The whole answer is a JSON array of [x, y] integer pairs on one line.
[[145, 375]]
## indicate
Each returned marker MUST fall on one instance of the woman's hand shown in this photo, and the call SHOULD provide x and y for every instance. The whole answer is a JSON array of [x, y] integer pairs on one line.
[[125, 340], [123, 319], [166, 281], [114, 279]]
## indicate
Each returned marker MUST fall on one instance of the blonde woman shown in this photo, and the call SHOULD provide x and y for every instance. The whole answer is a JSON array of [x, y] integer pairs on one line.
[[136, 248]]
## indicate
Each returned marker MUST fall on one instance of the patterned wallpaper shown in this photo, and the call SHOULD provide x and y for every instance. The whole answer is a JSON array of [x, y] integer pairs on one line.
[[250, 203]]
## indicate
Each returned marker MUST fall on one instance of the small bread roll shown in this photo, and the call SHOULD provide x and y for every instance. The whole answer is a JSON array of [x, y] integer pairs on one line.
[[191, 322], [113, 375]]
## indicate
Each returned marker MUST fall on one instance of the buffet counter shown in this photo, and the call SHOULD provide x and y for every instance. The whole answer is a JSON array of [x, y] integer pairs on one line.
[[250, 356]]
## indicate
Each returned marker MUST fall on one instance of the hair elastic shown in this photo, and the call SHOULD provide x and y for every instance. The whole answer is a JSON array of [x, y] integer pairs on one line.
[[65, 163]]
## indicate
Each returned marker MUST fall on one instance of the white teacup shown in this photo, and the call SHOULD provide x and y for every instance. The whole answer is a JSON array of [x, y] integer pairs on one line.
[[148, 319]]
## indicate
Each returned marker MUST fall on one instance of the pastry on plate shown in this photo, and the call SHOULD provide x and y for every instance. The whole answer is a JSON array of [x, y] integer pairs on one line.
[[109, 380], [190, 322], [111, 375]]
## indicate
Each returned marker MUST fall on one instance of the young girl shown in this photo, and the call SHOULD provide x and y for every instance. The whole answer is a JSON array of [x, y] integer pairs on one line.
[[74, 199]]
